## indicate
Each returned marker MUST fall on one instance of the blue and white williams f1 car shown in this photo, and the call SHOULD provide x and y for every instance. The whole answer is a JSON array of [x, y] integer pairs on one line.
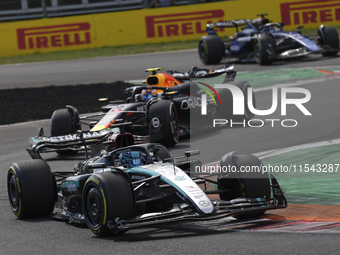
[[263, 42]]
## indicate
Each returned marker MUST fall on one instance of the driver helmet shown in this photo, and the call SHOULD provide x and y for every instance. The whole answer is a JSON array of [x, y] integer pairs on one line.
[[260, 21], [148, 94], [138, 98], [271, 29], [131, 158]]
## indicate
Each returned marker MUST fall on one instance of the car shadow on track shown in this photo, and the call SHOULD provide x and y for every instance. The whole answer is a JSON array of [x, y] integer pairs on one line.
[[193, 229], [164, 233], [283, 62]]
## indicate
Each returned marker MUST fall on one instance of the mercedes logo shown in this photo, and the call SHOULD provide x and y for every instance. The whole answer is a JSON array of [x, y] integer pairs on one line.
[[204, 203]]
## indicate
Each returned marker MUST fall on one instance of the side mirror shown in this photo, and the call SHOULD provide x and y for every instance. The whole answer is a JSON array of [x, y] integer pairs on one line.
[[192, 153], [96, 165]]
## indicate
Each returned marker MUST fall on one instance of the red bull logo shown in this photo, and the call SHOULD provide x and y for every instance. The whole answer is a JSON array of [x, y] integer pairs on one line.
[[53, 36], [181, 23], [162, 80], [310, 12]]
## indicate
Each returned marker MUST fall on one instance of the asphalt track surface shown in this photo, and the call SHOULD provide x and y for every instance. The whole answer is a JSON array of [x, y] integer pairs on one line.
[[47, 236]]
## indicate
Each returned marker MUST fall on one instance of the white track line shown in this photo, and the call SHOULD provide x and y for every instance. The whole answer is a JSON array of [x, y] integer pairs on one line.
[[270, 153]]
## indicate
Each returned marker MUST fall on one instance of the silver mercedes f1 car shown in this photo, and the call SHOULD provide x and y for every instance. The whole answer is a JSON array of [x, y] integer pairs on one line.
[[142, 185]]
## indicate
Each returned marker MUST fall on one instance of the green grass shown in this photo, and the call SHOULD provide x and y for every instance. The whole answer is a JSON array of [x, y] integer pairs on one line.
[[113, 51], [100, 52]]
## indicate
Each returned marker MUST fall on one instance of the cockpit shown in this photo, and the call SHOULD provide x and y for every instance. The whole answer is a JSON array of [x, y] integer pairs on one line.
[[132, 159], [125, 158]]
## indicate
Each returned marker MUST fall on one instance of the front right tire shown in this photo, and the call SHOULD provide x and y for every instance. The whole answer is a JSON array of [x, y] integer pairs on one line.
[[64, 122], [163, 123], [211, 49], [31, 189], [107, 197], [225, 111]]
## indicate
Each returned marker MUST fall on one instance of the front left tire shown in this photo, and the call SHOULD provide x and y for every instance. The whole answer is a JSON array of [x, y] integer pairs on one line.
[[264, 49], [329, 37], [107, 197], [211, 49], [249, 184]]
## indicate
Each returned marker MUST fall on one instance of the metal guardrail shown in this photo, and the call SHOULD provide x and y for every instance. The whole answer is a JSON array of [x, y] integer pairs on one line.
[[11, 10]]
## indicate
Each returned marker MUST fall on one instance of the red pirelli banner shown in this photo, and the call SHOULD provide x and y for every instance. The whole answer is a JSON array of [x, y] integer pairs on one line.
[[310, 13], [179, 23], [53, 36]]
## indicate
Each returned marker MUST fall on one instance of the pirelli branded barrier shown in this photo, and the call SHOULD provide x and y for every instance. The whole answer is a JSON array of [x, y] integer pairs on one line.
[[65, 35], [178, 23], [310, 14]]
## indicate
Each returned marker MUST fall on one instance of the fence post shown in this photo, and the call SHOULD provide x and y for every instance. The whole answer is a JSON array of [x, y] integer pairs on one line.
[[54, 3], [146, 3], [24, 6], [43, 5]]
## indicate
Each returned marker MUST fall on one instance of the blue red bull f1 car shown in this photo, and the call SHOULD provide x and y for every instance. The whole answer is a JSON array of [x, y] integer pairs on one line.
[[160, 111]]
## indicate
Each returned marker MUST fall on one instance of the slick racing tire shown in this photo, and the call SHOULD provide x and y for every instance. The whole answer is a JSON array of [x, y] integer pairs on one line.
[[225, 111], [263, 45], [253, 184], [163, 123], [31, 189], [64, 122], [211, 49], [107, 198], [328, 36]]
